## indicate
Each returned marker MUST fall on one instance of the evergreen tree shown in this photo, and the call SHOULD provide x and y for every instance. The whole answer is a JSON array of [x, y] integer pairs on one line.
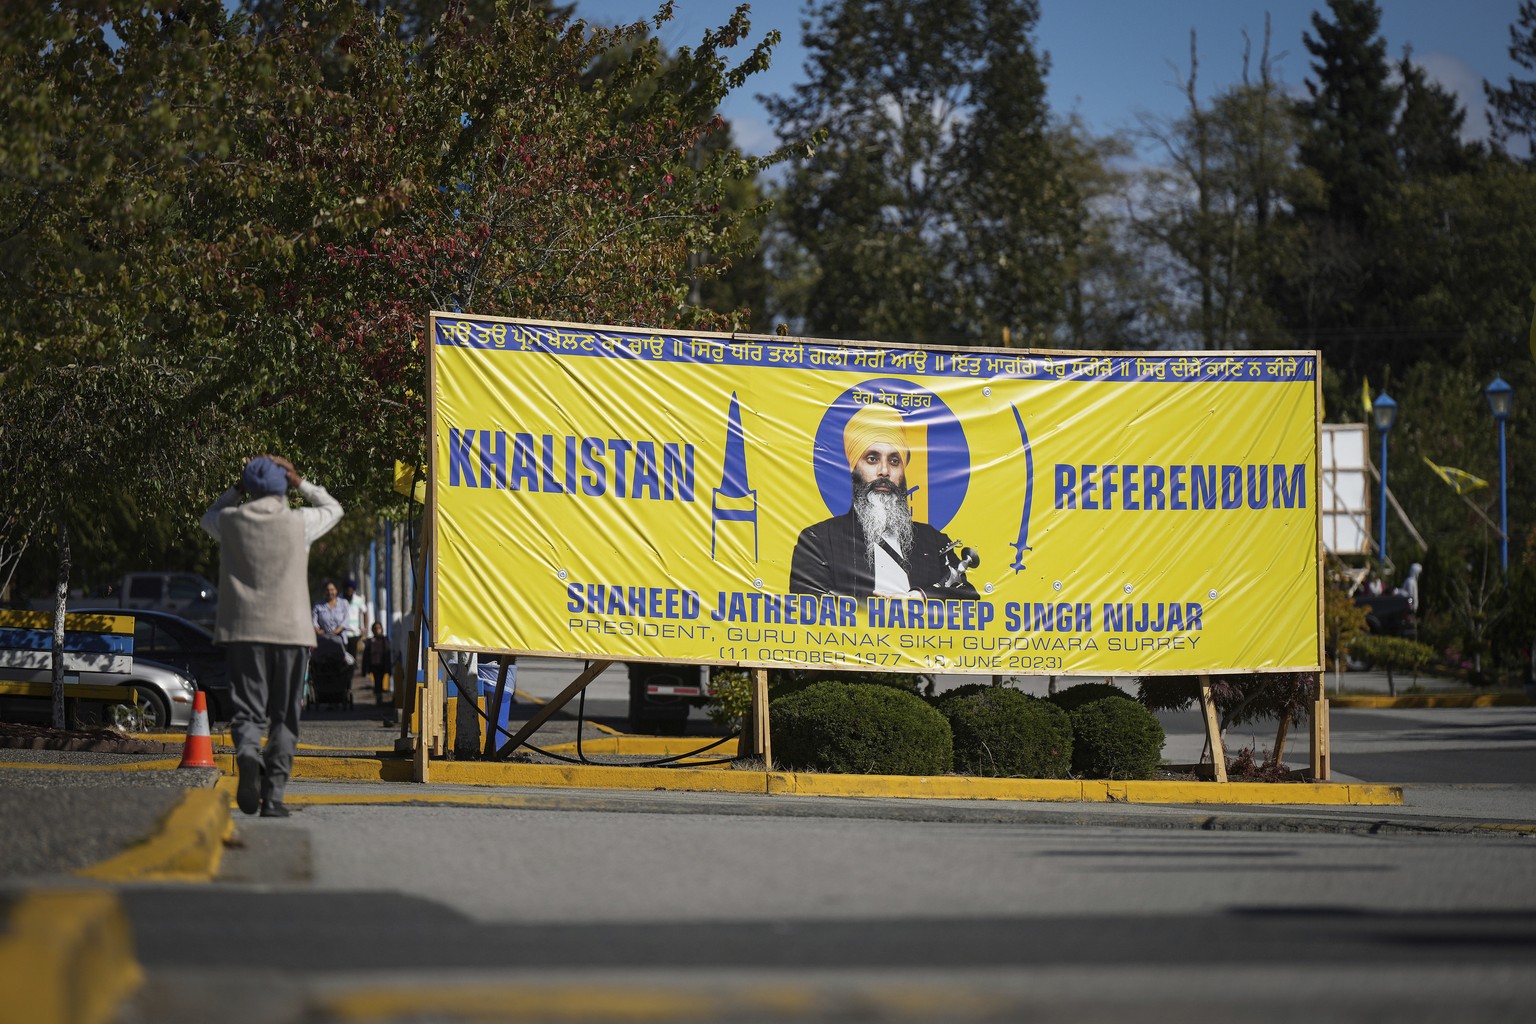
[[1513, 113], [1331, 295], [1351, 106], [935, 208], [1428, 131]]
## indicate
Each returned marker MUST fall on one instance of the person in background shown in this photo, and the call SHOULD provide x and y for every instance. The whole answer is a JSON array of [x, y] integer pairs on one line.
[[357, 618], [329, 618], [261, 622], [376, 662]]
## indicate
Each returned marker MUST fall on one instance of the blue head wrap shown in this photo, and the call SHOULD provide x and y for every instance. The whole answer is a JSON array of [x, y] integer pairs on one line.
[[262, 476]]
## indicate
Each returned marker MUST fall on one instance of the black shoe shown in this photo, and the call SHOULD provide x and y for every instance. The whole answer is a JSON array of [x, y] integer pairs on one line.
[[248, 792], [273, 809]]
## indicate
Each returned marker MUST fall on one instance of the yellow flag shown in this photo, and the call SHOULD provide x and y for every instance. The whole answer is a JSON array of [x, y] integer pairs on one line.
[[1365, 398], [410, 481], [1459, 480]]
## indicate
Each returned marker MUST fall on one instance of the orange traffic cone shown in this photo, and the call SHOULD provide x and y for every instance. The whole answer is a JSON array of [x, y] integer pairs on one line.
[[197, 752]]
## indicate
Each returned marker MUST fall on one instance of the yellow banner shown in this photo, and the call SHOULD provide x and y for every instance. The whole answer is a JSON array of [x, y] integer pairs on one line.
[[619, 494]]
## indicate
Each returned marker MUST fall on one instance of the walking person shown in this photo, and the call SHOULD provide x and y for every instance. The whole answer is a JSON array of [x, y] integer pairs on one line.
[[329, 619], [376, 661], [263, 621], [357, 618]]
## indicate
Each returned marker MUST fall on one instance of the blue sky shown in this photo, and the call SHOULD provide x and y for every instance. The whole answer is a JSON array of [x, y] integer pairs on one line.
[[1113, 59]]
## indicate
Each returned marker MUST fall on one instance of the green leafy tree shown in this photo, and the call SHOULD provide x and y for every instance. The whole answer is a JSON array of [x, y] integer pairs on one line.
[[242, 227], [934, 206], [1210, 214]]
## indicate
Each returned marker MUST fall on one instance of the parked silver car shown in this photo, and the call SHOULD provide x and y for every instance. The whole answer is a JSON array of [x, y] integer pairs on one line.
[[164, 695]]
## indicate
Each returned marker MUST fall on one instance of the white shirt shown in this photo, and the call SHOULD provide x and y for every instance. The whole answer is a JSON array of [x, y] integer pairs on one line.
[[890, 577]]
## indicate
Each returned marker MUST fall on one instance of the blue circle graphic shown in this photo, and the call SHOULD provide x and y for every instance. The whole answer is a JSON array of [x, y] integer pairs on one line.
[[949, 456]]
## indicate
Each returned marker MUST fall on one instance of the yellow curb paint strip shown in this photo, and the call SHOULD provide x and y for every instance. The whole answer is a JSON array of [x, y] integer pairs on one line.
[[619, 1002], [188, 846], [950, 787], [1523, 828], [224, 739], [356, 769], [1434, 700], [482, 773], [517, 1002], [127, 766], [425, 795], [939, 787], [66, 957]]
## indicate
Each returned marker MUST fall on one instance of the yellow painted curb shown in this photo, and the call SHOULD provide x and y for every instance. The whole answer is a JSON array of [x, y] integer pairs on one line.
[[224, 739], [933, 787], [188, 846], [943, 787], [580, 776], [1433, 700], [66, 957], [163, 764], [422, 795], [355, 769], [951, 787], [1271, 793]]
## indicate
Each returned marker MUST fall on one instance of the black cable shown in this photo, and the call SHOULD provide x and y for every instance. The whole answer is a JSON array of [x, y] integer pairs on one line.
[[581, 758]]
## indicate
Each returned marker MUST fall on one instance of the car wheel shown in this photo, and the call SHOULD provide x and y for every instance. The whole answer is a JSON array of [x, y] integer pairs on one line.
[[152, 708]]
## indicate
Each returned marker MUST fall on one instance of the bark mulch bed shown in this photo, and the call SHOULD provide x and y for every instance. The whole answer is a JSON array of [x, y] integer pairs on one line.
[[20, 735]]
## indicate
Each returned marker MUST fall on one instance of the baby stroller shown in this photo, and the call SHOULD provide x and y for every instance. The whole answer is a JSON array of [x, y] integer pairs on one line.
[[330, 675]]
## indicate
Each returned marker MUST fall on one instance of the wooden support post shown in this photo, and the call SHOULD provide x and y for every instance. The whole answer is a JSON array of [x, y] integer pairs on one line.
[[451, 725], [548, 710], [760, 738], [1213, 729], [420, 763], [1318, 761], [418, 610], [481, 723], [436, 696]]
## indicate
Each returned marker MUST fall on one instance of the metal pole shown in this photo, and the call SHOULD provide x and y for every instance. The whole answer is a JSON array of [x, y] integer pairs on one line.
[[1503, 506], [1382, 536]]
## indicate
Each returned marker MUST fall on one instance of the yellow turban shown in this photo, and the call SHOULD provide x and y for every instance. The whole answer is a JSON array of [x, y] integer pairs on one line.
[[872, 425]]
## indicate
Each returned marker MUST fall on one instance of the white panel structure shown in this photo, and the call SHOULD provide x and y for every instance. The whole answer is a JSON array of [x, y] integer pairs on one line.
[[1345, 470]]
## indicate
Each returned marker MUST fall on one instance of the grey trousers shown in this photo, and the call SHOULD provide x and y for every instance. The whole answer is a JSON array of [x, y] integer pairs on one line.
[[267, 685]]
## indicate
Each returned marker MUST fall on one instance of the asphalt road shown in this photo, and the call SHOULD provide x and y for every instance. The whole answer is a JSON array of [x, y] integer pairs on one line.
[[397, 912]]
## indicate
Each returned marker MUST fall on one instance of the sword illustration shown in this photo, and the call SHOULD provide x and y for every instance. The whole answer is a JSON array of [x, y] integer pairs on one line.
[[1022, 544]]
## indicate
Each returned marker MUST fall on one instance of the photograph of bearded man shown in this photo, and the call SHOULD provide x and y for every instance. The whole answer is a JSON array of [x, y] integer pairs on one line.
[[876, 547]]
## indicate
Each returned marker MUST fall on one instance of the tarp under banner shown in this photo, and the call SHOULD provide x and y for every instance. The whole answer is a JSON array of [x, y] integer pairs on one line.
[[623, 494]]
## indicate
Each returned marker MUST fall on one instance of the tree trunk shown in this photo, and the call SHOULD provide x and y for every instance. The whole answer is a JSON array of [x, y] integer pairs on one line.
[[61, 600]]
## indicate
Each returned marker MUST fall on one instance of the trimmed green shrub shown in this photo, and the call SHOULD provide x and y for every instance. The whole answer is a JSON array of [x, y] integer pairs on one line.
[[1074, 697], [964, 690], [784, 681], [1115, 738], [1003, 732], [859, 729], [1393, 654]]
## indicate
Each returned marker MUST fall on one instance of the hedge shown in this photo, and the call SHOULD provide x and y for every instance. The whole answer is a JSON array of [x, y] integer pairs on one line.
[[859, 729]]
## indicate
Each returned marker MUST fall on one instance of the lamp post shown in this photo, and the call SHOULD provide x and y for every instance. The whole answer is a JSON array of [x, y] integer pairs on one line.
[[1384, 413], [1501, 398]]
